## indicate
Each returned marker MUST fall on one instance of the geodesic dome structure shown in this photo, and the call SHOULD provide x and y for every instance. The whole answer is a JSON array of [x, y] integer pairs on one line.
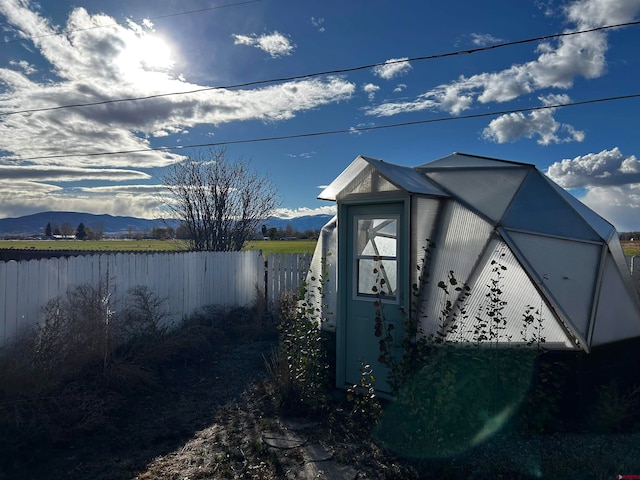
[[556, 257]]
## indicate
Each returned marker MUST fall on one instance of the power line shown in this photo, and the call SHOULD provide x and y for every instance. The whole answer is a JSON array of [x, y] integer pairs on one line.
[[335, 132], [327, 72], [65, 32]]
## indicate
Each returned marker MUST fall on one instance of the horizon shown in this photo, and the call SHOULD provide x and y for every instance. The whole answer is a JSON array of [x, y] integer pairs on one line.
[[300, 90]]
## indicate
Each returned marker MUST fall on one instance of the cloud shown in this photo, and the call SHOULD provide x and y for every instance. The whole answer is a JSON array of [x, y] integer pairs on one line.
[[302, 155], [620, 205], [394, 67], [610, 181], [557, 65], [23, 198], [98, 64], [541, 123], [318, 23], [484, 39], [69, 174], [399, 88], [275, 44], [606, 168], [304, 211], [25, 66], [371, 90]]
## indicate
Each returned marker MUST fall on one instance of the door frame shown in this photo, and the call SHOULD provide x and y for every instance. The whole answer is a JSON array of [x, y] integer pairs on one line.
[[344, 292]]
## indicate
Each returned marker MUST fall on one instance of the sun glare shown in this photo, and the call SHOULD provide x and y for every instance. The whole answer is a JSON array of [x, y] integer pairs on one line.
[[147, 53]]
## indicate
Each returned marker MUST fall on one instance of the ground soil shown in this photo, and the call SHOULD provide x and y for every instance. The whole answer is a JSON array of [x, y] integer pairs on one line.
[[210, 415], [206, 416]]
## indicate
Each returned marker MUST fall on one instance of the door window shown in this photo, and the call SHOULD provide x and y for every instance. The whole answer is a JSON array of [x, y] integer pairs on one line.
[[376, 256]]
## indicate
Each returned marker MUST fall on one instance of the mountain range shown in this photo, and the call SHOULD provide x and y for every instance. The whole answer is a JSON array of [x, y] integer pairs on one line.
[[35, 224]]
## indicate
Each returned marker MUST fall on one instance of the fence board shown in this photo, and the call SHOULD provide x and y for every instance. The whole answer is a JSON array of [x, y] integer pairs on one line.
[[285, 272], [185, 280]]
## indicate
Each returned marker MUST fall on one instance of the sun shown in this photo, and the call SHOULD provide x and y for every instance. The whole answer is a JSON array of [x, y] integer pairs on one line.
[[155, 53], [146, 53]]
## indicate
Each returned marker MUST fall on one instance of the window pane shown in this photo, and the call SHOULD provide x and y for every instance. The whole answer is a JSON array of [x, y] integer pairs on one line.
[[370, 274]]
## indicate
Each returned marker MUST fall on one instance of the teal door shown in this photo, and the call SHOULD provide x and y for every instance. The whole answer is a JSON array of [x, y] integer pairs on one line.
[[376, 274]]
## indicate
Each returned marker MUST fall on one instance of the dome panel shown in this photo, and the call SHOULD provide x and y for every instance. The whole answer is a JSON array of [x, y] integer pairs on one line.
[[489, 191], [567, 270], [537, 207], [617, 316]]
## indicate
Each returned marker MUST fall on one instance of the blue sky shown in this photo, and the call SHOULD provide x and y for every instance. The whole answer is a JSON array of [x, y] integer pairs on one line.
[[58, 53]]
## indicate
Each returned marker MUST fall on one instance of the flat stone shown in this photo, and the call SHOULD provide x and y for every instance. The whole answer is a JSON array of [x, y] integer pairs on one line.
[[282, 441], [315, 452]]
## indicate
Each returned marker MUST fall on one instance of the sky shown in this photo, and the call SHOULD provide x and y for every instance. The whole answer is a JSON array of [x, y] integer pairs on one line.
[[236, 72]]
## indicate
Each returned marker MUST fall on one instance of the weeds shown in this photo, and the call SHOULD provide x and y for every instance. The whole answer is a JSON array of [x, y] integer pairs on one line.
[[298, 369], [73, 372]]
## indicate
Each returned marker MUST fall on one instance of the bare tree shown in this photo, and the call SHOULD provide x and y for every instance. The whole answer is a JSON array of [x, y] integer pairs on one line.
[[220, 203]]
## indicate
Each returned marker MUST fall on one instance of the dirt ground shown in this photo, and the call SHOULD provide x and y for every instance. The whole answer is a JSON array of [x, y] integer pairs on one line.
[[210, 416]]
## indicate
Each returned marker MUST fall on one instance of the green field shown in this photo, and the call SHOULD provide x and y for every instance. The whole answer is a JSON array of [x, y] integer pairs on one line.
[[282, 246], [267, 246]]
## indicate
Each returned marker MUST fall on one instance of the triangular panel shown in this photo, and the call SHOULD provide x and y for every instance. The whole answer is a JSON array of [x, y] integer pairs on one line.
[[489, 191], [617, 316], [499, 269], [538, 208], [568, 271], [463, 238], [599, 224]]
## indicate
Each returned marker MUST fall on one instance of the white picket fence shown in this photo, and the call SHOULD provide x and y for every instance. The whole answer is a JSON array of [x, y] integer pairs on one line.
[[185, 280], [283, 272]]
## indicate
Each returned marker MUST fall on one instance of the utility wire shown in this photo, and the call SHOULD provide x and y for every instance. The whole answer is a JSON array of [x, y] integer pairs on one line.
[[327, 72], [334, 132], [65, 32]]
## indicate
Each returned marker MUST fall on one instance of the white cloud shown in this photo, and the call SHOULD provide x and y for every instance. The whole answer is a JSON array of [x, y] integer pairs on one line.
[[370, 89], [23, 198], [304, 211], [541, 123], [302, 155], [399, 88], [25, 66], [69, 174], [394, 67], [606, 168], [275, 44], [619, 205], [556, 66], [93, 64], [611, 183], [484, 39], [318, 23]]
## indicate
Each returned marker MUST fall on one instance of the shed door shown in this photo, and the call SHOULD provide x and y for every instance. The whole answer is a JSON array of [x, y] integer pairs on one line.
[[376, 251]]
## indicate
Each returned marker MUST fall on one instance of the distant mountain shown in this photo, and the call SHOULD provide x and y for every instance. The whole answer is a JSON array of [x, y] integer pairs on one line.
[[301, 224], [111, 225], [35, 224]]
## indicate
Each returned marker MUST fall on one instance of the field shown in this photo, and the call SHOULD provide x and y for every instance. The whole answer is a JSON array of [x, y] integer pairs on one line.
[[631, 248], [267, 246]]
